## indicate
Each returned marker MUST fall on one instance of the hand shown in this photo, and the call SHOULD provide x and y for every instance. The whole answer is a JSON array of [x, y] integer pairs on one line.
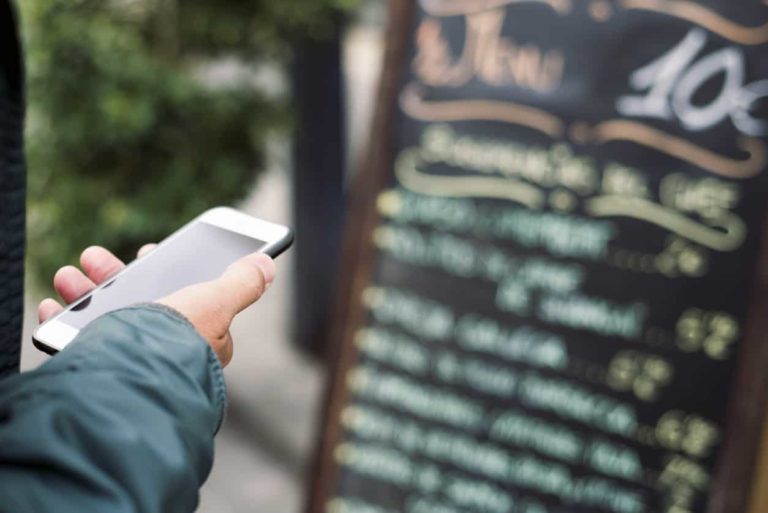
[[210, 306]]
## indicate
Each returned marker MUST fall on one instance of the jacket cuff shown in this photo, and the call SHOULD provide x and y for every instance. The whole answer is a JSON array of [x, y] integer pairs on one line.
[[214, 365]]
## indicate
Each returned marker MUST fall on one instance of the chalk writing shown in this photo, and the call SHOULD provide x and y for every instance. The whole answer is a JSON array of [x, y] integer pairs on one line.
[[558, 234], [713, 333], [487, 55], [554, 293], [519, 344], [488, 460], [673, 80], [420, 400], [577, 403], [547, 167], [394, 348], [599, 315]]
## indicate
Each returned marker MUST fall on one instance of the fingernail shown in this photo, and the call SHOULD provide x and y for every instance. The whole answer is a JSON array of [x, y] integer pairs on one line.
[[267, 266]]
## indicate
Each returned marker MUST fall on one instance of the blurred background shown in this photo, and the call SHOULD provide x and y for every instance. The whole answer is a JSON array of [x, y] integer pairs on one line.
[[144, 113]]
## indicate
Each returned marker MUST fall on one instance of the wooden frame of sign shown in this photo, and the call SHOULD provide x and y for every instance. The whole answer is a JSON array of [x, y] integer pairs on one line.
[[695, 457], [358, 251]]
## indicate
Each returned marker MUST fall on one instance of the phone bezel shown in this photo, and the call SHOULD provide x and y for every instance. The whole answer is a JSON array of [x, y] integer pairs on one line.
[[54, 335]]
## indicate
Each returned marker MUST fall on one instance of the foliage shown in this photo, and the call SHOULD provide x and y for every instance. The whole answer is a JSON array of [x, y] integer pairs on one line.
[[125, 141]]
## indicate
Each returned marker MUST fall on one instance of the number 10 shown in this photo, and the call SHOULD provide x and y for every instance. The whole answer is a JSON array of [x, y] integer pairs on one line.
[[673, 79]]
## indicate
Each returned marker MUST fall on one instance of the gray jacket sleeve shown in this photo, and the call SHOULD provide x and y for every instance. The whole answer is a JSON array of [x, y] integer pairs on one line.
[[122, 420]]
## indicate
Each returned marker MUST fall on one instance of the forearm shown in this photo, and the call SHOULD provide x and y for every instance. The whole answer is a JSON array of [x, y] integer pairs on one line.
[[121, 421]]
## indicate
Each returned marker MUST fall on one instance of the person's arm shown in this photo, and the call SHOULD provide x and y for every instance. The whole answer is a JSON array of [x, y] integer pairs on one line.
[[120, 421], [123, 419]]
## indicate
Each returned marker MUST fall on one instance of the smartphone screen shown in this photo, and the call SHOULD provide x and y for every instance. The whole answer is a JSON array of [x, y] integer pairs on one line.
[[199, 253]]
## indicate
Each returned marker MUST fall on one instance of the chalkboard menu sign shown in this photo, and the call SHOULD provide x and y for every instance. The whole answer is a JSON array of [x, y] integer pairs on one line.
[[555, 300]]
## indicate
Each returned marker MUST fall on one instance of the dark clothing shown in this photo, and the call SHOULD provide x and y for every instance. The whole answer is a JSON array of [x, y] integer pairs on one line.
[[120, 421], [12, 185]]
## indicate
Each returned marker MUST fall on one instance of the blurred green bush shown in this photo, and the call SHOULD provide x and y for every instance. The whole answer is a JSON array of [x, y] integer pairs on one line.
[[125, 141]]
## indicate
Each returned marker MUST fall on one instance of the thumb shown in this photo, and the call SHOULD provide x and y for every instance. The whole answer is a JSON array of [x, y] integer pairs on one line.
[[243, 282], [213, 304], [210, 306]]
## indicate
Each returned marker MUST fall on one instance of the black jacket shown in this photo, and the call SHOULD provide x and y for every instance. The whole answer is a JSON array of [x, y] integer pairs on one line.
[[12, 191]]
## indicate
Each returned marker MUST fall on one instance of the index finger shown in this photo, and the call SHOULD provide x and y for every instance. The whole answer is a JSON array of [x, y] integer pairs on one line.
[[100, 264]]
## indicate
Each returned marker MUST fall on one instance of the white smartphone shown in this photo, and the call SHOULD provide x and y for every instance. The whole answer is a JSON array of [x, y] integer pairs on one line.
[[199, 251]]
